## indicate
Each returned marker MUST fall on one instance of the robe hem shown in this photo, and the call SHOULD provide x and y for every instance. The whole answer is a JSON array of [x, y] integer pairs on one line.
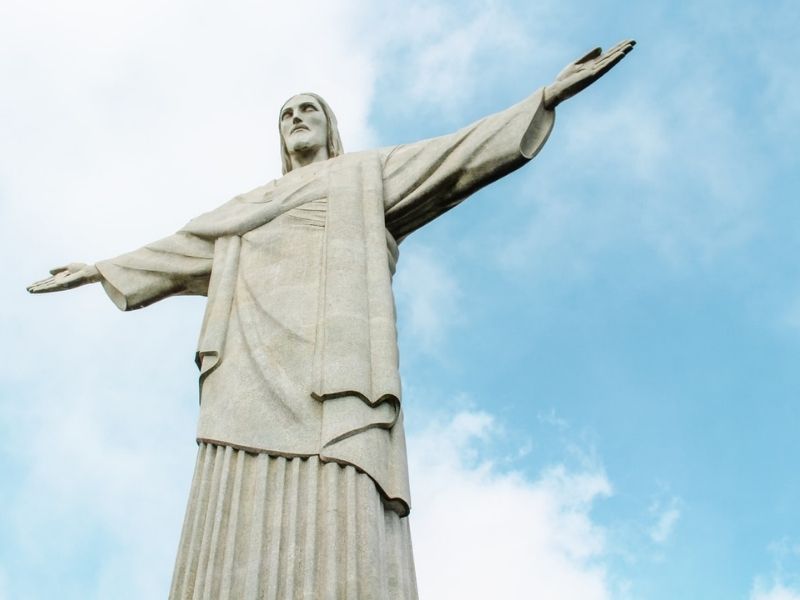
[[398, 505]]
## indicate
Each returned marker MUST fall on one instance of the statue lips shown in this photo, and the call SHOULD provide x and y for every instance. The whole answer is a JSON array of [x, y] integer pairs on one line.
[[299, 127]]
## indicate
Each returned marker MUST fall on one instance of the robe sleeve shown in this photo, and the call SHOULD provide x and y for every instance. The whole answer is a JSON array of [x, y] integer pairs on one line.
[[425, 179], [176, 265]]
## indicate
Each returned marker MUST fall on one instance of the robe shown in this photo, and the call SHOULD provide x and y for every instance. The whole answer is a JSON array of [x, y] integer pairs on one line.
[[298, 349]]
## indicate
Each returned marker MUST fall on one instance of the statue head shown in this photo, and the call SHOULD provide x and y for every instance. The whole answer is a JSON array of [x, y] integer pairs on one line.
[[304, 122]]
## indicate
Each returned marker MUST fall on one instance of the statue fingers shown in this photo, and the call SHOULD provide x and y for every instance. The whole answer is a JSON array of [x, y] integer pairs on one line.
[[620, 49], [611, 58], [44, 285], [623, 46], [62, 280], [627, 46]]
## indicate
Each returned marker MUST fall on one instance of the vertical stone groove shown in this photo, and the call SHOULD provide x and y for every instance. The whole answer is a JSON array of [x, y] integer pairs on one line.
[[259, 527]]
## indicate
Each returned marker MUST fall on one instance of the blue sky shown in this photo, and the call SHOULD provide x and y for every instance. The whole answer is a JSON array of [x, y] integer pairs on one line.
[[599, 351]]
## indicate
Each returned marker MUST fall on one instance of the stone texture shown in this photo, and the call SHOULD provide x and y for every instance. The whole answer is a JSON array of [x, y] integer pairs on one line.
[[289, 529]]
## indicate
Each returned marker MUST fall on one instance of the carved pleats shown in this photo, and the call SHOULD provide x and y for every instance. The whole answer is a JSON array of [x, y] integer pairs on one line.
[[265, 527]]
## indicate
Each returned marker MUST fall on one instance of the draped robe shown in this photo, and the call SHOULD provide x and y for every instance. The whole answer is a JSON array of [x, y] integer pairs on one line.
[[298, 348]]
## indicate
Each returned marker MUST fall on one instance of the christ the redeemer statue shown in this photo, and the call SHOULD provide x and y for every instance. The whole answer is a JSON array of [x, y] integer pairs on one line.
[[301, 484]]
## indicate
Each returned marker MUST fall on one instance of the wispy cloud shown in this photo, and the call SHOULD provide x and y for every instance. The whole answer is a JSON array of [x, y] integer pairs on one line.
[[99, 461], [666, 514], [551, 418], [480, 531], [444, 53], [784, 581], [120, 107], [428, 296], [773, 591]]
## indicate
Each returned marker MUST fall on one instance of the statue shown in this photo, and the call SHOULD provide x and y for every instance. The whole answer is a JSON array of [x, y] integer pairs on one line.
[[301, 487]]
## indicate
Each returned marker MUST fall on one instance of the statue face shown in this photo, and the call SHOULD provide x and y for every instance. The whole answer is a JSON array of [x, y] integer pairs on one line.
[[303, 124]]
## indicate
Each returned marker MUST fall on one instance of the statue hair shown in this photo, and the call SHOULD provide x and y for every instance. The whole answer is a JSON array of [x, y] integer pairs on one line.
[[334, 141]]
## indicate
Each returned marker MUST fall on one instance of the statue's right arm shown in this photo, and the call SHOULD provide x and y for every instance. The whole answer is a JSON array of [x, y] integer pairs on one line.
[[176, 265]]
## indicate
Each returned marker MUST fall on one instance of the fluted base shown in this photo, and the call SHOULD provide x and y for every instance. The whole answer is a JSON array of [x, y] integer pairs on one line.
[[265, 527]]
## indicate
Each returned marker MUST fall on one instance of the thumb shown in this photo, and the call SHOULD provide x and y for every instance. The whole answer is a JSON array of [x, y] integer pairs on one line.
[[594, 53], [57, 270]]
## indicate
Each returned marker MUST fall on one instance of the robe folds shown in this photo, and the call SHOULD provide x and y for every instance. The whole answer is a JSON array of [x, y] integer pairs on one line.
[[298, 349]]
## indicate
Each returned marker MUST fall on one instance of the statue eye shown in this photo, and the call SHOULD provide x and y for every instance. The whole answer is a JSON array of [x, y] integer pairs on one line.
[[286, 114]]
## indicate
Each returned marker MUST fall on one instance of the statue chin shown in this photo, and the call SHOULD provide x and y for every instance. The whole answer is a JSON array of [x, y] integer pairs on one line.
[[303, 146]]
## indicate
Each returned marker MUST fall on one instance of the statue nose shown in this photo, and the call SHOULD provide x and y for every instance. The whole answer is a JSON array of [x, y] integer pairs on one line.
[[296, 120]]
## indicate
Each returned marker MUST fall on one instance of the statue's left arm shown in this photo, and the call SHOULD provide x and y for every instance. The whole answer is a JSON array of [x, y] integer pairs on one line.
[[425, 179]]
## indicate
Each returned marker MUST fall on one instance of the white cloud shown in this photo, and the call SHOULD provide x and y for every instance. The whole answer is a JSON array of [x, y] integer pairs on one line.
[[666, 514], [552, 418], [441, 51], [784, 581], [773, 591], [481, 532], [448, 48], [100, 436], [129, 119]]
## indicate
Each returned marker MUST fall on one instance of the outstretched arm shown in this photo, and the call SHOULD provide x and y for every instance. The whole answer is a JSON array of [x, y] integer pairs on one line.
[[425, 179], [177, 265]]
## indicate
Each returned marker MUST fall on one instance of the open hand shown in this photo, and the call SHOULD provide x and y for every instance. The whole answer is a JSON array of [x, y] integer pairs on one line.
[[584, 72], [65, 278]]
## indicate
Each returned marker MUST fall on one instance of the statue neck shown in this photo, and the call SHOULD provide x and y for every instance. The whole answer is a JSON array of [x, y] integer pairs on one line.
[[301, 158]]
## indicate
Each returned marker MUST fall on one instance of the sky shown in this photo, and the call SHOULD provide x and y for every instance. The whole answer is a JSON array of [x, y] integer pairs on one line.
[[598, 351]]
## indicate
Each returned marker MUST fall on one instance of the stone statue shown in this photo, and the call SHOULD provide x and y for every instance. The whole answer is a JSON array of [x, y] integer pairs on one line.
[[301, 486]]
